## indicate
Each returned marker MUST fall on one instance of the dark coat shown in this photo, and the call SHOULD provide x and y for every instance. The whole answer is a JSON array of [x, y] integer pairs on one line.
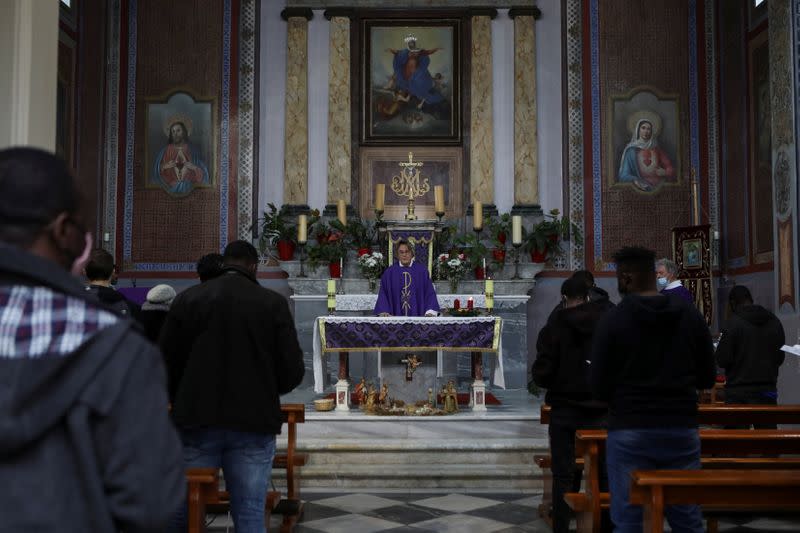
[[563, 350], [112, 299], [231, 350], [649, 356], [86, 443], [750, 349]]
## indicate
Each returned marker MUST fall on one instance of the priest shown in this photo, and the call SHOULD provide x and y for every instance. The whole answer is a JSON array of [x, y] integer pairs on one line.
[[406, 287]]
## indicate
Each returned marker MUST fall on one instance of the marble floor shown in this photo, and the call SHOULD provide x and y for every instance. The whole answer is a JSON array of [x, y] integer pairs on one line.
[[445, 512]]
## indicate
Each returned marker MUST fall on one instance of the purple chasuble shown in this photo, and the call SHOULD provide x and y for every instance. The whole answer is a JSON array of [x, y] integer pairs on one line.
[[679, 291], [406, 291]]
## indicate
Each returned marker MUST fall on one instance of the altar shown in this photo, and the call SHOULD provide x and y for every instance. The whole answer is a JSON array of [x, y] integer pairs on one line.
[[443, 334]]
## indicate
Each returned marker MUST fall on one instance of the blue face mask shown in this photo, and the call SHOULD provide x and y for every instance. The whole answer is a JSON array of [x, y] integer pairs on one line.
[[662, 283]]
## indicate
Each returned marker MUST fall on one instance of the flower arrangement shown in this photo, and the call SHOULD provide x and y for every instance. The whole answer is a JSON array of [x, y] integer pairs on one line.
[[452, 267], [372, 265]]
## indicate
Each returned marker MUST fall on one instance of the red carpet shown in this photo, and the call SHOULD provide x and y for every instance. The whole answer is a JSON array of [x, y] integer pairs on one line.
[[463, 398]]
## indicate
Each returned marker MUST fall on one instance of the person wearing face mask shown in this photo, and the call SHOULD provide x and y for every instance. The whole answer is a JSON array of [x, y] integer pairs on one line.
[[650, 355], [86, 441], [667, 281], [562, 367]]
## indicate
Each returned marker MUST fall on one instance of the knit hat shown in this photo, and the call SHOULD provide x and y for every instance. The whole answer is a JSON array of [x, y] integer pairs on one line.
[[161, 294]]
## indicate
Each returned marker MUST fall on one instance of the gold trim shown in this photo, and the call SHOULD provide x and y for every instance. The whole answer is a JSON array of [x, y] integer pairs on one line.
[[496, 340], [407, 348], [322, 335]]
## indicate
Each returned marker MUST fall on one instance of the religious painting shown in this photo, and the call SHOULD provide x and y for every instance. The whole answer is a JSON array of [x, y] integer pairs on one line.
[[692, 255], [643, 140], [436, 166], [180, 143], [760, 145], [410, 74], [692, 250]]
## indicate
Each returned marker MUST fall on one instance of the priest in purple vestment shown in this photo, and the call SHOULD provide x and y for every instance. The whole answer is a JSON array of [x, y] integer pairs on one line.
[[668, 282], [406, 287]]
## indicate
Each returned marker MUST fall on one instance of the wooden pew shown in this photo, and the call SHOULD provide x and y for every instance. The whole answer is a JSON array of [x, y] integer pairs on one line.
[[590, 444], [757, 490], [203, 483], [708, 414]]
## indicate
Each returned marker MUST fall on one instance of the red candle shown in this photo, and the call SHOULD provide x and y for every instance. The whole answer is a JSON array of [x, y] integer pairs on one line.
[[470, 303], [456, 304]]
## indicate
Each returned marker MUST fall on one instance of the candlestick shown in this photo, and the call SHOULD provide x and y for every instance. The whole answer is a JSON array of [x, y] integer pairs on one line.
[[438, 199], [488, 292], [331, 296], [341, 212], [516, 259], [302, 229], [380, 194], [477, 215], [341, 267], [516, 229], [302, 246]]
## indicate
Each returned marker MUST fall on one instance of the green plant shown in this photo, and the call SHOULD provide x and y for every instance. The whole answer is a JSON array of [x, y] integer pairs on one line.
[[500, 229], [473, 247], [360, 232], [546, 236], [329, 249], [274, 226]]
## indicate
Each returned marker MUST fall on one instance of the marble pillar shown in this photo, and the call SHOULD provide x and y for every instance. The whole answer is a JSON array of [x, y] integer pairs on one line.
[[526, 167], [295, 181], [481, 149], [339, 127]]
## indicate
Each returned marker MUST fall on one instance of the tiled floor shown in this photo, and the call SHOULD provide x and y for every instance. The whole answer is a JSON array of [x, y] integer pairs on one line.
[[445, 512]]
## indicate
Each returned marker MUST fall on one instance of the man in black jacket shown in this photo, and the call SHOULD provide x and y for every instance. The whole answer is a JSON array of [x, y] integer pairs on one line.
[[750, 351], [100, 271], [231, 350], [650, 355], [562, 367], [86, 443]]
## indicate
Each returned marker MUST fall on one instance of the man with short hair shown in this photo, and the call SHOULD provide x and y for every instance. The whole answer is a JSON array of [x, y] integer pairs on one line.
[[231, 350], [750, 352], [209, 267], [668, 282], [86, 443], [650, 355], [406, 287], [562, 367], [100, 273]]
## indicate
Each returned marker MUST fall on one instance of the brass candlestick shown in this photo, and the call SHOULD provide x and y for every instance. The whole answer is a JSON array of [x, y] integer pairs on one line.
[[302, 246], [516, 246]]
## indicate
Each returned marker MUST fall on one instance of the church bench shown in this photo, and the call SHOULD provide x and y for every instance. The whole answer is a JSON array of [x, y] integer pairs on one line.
[[751, 490], [738, 443], [204, 493], [708, 414]]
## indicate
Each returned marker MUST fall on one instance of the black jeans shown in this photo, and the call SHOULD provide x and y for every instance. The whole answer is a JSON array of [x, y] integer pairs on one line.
[[750, 397], [564, 422]]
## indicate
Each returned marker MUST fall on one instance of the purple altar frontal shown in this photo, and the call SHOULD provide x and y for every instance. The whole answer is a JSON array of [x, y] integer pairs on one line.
[[467, 334]]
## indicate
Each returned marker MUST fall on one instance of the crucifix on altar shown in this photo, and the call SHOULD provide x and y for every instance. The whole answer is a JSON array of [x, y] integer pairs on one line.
[[412, 362]]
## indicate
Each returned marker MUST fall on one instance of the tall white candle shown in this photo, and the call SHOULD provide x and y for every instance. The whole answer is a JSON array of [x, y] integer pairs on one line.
[[477, 215], [380, 194], [302, 229], [516, 229], [341, 212], [438, 198]]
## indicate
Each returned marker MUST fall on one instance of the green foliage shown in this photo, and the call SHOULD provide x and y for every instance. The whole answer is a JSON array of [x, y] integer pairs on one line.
[[275, 225], [547, 235], [331, 244], [500, 225], [473, 248]]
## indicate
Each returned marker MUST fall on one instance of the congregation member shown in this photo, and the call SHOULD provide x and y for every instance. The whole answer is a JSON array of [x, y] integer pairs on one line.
[[562, 367], [86, 443], [406, 287], [668, 282], [750, 352], [209, 267], [596, 294], [231, 350], [650, 355], [155, 309], [100, 273]]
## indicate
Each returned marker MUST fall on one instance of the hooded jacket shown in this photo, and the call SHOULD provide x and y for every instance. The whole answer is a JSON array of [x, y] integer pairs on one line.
[[750, 349], [231, 350], [649, 356], [86, 443], [564, 347], [109, 297]]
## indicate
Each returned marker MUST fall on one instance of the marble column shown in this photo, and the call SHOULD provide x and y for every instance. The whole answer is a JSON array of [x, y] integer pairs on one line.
[[295, 181], [481, 148], [340, 169], [526, 166]]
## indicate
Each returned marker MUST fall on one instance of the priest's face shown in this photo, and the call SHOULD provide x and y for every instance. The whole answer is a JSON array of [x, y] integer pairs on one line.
[[404, 254]]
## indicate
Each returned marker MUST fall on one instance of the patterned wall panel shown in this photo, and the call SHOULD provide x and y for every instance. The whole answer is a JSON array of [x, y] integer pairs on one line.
[[733, 125], [163, 232], [641, 44]]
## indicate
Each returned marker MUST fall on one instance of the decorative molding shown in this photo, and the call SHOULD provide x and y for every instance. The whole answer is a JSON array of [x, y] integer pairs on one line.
[[346, 12], [112, 128], [482, 12], [292, 12], [248, 132], [712, 123], [574, 122], [532, 11]]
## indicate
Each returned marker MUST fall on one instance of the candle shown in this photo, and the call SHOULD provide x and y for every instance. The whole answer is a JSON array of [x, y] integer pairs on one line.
[[470, 303], [456, 304], [438, 198], [341, 212], [380, 193], [716, 235], [489, 293], [484, 264], [341, 267], [477, 215], [516, 229], [302, 229], [331, 294]]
